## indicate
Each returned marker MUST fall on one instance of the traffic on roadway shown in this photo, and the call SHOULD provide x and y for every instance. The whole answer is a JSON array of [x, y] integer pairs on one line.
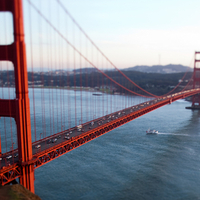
[[46, 143]]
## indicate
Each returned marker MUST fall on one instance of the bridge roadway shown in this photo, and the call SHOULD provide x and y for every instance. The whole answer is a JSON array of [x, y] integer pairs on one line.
[[51, 147]]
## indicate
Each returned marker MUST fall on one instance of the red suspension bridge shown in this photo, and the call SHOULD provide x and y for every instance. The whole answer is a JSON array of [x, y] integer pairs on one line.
[[68, 108]]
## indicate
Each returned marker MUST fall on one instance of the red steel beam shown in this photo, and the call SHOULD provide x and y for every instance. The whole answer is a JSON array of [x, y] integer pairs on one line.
[[8, 108], [196, 81], [19, 108], [10, 173], [52, 153]]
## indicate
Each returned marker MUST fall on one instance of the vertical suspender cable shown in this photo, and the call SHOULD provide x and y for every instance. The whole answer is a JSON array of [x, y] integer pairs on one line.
[[31, 53], [74, 57]]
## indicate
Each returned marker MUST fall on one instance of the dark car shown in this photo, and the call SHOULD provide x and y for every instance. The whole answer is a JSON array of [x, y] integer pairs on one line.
[[54, 140], [49, 141]]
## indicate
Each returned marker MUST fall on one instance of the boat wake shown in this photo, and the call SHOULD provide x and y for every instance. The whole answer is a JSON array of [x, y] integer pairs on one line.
[[173, 134]]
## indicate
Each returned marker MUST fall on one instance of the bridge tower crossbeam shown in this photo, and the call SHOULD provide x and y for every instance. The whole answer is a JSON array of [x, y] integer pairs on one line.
[[19, 108]]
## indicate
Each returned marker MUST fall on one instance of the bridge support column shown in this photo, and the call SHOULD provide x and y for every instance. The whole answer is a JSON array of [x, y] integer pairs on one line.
[[27, 179], [196, 83], [19, 108]]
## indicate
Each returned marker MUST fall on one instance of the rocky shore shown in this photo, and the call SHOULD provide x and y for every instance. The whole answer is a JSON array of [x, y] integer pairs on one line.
[[16, 192]]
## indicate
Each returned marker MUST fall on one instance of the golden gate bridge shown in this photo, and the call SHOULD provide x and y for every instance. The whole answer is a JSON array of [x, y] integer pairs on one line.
[[60, 129]]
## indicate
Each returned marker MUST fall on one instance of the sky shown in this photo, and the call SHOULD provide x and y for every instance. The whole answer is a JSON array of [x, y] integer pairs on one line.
[[128, 32], [145, 32]]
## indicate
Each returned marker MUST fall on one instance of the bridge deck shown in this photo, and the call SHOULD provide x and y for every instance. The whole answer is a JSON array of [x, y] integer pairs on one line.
[[50, 148]]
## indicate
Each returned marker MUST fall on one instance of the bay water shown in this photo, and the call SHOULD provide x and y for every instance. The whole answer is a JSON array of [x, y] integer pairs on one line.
[[125, 163], [128, 164]]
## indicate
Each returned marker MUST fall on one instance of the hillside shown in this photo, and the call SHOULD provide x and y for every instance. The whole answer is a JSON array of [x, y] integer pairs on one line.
[[163, 69], [16, 192], [156, 83]]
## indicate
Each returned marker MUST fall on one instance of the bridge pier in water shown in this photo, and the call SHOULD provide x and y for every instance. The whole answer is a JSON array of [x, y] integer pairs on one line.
[[19, 108], [196, 83]]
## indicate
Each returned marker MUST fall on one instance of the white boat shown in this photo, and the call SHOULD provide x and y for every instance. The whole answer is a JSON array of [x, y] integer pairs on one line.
[[149, 131]]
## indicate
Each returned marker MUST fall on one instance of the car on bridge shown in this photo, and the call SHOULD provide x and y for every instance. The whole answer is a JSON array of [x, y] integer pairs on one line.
[[67, 137], [92, 123], [79, 127], [16, 155], [49, 141], [38, 146], [9, 157], [54, 140]]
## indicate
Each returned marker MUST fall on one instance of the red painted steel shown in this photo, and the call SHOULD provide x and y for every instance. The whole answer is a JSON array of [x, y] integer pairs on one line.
[[19, 108], [52, 153], [8, 108], [196, 81], [9, 173], [46, 156]]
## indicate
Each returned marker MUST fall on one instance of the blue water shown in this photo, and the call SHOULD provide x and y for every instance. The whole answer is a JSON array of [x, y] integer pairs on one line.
[[124, 163], [128, 164]]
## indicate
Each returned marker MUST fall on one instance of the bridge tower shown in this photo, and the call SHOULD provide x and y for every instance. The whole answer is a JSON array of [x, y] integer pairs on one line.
[[196, 81], [19, 108]]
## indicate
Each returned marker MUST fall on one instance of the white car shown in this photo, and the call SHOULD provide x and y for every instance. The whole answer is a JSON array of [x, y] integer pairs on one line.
[[9, 157], [67, 137], [38, 146], [92, 123]]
